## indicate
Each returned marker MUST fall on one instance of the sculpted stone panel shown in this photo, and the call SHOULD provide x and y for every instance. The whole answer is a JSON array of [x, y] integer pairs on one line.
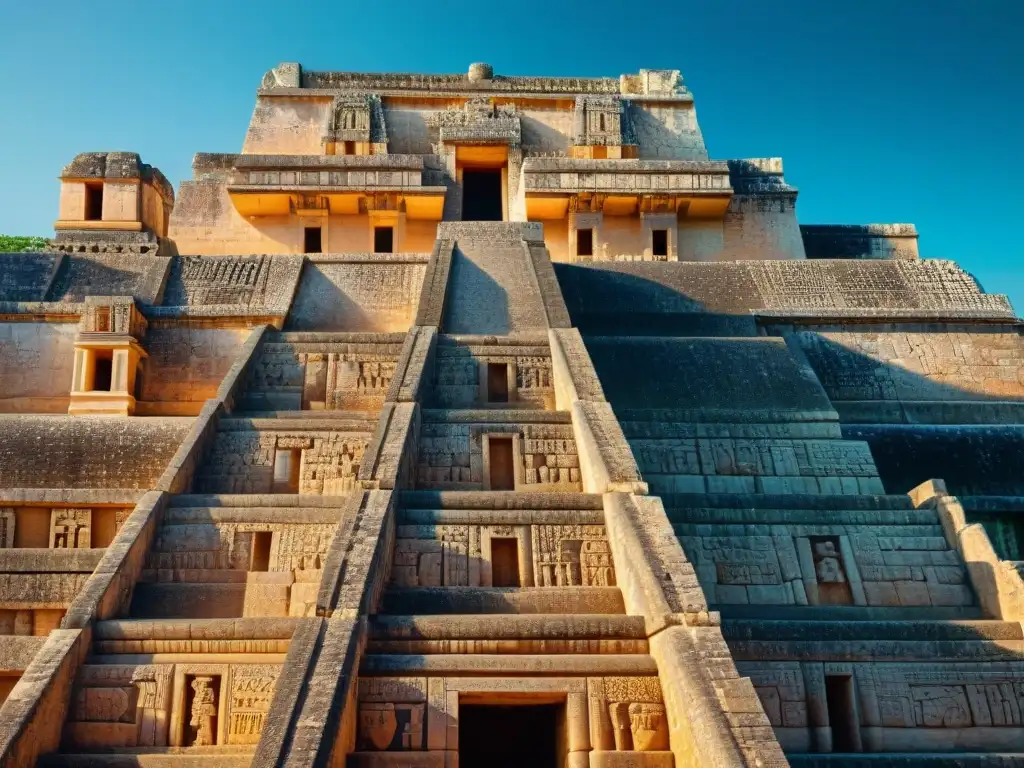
[[243, 462], [70, 528], [461, 555], [452, 456]]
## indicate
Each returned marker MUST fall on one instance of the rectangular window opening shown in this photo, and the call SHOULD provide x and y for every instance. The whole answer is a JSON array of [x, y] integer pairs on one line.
[[659, 242], [286, 470], [842, 713], [93, 202], [584, 242], [312, 238], [103, 319], [504, 563], [261, 541], [497, 382], [383, 239], [502, 474], [103, 372]]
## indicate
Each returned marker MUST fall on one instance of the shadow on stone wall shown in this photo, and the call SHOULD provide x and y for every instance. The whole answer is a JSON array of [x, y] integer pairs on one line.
[[972, 439]]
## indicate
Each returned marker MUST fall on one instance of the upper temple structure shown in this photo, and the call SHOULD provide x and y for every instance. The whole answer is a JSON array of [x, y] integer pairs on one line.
[[473, 421]]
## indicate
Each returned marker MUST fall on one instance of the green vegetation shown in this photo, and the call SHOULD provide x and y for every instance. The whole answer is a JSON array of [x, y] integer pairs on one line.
[[16, 243]]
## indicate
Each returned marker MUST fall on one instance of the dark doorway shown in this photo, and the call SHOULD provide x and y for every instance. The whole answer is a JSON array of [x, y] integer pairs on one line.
[[93, 202], [383, 240], [261, 541], [504, 563], [659, 242], [842, 713], [103, 374], [584, 242], [497, 382], [502, 475], [509, 737], [481, 195], [313, 240]]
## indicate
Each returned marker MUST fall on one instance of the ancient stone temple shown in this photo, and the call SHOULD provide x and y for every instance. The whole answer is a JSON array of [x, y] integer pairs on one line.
[[477, 420]]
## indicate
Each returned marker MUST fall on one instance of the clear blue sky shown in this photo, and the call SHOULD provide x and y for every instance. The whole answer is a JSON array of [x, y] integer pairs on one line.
[[884, 111]]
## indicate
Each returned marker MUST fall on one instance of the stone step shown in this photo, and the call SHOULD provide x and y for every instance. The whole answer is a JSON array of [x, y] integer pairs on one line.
[[910, 760], [188, 601], [919, 631], [507, 665], [515, 634], [192, 757], [808, 501], [249, 500], [499, 500], [477, 600], [848, 613], [906, 641], [303, 416]]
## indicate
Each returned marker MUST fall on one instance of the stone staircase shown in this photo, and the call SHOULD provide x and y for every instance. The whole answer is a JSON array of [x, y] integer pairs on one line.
[[818, 592]]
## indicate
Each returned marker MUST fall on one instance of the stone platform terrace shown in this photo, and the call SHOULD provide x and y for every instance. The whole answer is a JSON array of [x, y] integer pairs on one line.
[[479, 420]]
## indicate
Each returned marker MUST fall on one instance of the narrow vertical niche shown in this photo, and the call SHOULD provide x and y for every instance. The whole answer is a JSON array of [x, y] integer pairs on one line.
[[287, 463], [659, 242], [383, 239], [842, 713], [94, 202], [497, 382], [312, 240], [261, 541], [505, 562], [502, 471], [103, 371], [584, 242]]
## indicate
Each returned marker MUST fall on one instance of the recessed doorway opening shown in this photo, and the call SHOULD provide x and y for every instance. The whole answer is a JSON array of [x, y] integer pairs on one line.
[[481, 194], [505, 562], [497, 382], [842, 713], [502, 471], [312, 240], [511, 736]]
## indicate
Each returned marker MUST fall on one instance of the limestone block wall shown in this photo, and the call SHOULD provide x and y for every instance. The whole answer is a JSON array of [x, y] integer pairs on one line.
[[27, 276], [845, 557], [667, 131], [973, 460], [742, 458], [454, 452], [374, 293], [933, 706], [762, 228], [133, 705], [287, 126], [36, 365], [242, 460], [109, 274], [913, 363], [186, 363], [460, 371], [457, 555], [865, 241], [70, 452]]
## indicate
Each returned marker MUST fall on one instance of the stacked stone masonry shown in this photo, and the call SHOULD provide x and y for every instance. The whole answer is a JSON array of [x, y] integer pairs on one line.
[[482, 420]]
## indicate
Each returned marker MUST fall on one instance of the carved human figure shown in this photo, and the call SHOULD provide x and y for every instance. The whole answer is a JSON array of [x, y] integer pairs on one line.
[[828, 566], [204, 710]]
